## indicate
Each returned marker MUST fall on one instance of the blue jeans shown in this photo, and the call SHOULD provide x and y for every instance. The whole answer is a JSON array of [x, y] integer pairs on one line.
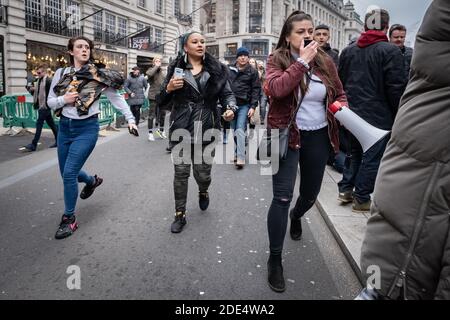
[[239, 125], [76, 140], [363, 169]]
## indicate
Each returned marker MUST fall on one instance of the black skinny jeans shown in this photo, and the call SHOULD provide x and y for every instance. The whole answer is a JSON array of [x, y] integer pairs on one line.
[[312, 158], [136, 111]]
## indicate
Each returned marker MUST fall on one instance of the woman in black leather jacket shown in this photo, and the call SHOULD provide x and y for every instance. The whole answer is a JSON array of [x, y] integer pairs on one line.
[[194, 97]]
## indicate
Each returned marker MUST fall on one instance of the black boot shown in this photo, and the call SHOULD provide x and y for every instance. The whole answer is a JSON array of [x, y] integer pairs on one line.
[[203, 200], [275, 273], [179, 222], [296, 227]]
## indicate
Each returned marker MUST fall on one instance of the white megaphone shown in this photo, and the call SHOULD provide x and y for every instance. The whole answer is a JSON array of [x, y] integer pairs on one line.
[[366, 134]]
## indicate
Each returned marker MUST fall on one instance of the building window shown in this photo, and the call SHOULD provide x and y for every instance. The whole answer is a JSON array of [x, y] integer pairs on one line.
[[213, 50], [159, 6], [231, 49], [98, 27], [110, 22], [53, 9], [151, 34], [211, 19], [139, 26], [53, 16], [73, 14], [158, 36], [33, 14], [235, 16], [255, 16], [176, 8], [112, 31], [122, 30], [260, 48], [141, 3]]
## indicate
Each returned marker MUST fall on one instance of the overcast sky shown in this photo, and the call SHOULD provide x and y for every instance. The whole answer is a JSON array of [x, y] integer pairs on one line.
[[406, 12]]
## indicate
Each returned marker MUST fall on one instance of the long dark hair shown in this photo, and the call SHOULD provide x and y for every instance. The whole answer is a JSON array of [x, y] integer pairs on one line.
[[71, 44], [282, 54]]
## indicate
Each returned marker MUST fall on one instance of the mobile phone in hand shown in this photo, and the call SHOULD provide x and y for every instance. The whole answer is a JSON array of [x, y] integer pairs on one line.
[[178, 73], [307, 42]]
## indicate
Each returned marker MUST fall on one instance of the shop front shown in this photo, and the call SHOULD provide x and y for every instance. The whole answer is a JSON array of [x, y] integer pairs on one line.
[[55, 56]]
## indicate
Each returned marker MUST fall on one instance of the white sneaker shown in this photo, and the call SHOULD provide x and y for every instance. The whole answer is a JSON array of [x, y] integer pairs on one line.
[[163, 135], [151, 137]]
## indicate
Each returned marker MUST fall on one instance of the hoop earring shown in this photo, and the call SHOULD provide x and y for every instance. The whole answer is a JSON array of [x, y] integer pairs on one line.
[[185, 57], [204, 56]]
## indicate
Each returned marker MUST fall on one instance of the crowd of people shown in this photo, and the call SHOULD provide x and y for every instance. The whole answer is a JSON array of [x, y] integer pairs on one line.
[[294, 89]]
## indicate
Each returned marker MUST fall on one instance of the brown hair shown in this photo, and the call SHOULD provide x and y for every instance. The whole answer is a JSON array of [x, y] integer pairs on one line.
[[395, 27], [374, 16], [71, 44], [282, 55]]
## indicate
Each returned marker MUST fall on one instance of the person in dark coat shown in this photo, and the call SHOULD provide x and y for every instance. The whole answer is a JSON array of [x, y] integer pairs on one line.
[[155, 78], [408, 233], [397, 36], [244, 81], [372, 72], [40, 93], [135, 86], [193, 96], [322, 36]]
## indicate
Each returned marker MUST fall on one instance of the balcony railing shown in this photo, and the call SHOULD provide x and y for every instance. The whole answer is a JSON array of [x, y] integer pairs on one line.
[[51, 25], [112, 38]]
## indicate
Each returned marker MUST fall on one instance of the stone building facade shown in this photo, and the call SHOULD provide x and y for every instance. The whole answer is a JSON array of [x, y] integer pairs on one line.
[[354, 25], [33, 32], [256, 24]]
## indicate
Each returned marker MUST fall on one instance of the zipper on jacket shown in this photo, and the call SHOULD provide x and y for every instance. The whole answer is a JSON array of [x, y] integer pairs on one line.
[[401, 283], [198, 128], [400, 279]]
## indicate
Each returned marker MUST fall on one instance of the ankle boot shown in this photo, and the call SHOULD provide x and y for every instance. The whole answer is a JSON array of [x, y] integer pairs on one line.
[[275, 273], [203, 200], [179, 222], [296, 227]]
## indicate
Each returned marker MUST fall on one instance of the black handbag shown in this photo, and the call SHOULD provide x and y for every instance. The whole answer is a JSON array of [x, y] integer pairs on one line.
[[264, 151]]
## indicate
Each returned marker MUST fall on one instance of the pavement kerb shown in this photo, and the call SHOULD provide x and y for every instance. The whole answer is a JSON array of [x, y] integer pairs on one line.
[[354, 265]]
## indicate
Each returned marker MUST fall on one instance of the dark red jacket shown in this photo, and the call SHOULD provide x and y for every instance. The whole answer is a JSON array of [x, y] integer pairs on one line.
[[284, 85]]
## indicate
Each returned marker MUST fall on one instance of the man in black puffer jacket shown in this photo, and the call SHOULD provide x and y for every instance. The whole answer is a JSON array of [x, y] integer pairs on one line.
[[372, 72]]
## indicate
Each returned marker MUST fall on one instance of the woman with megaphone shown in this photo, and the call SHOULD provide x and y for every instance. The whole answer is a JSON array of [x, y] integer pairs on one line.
[[301, 81]]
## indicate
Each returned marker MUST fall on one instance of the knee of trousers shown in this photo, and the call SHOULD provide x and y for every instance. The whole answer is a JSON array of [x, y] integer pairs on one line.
[[70, 176], [282, 201], [182, 171]]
